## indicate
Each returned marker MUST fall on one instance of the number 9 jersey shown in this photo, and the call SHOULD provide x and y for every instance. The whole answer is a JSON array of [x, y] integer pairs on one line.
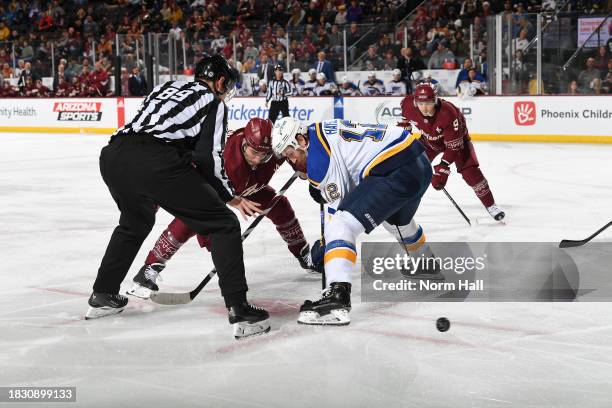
[[342, 153]]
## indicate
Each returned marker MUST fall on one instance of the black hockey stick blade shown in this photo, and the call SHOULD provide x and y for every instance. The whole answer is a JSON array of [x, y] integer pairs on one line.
[[568, 243]]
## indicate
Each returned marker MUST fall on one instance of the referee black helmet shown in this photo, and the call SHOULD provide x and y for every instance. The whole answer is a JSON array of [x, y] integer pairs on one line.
[[213, 67]]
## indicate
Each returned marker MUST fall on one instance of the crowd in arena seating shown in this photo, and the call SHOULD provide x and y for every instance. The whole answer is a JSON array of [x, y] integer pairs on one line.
[[305, 35]]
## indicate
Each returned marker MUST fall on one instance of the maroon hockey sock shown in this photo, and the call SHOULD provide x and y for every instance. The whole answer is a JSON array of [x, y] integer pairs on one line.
[[169, 242], [293, 235], [475, 179]]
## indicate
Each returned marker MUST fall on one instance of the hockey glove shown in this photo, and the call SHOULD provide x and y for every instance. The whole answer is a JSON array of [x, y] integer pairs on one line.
[[441, 173], [316, 194]]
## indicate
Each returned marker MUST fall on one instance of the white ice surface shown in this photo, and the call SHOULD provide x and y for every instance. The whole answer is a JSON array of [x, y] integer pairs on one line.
[[57, 216]]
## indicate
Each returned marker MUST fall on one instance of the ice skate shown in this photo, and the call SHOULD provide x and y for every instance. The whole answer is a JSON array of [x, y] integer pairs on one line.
[[248, 320], [145, 281], [496, 212], [331, 310], [105, 304], [305, 260]]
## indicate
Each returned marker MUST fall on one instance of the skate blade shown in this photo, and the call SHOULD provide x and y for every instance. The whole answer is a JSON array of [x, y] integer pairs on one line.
[[337, 317], [243, 330], [140, 291], [97, 312]]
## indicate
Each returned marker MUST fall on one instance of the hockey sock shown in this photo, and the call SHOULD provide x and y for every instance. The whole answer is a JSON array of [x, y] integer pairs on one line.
[[340, 251], [292, 234], [475, 179], [411, 236], [169, 242]]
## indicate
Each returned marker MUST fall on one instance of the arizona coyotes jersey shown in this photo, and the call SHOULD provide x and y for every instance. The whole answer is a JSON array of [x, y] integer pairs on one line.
[[445, 131], [342, 153], [244, 178]]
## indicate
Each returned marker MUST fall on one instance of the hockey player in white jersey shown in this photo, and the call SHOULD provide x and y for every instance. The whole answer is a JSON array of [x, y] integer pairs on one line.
[[396, 86], [377, 173]]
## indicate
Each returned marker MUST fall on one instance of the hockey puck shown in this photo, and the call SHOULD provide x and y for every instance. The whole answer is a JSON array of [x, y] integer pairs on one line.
[[442, 324]]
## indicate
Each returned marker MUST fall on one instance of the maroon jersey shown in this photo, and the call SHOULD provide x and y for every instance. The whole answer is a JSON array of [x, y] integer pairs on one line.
[[445, 132], [99, 81], [246, 180]]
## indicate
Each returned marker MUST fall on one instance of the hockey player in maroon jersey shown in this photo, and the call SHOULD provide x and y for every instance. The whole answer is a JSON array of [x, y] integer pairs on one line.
[[445, 131], [249, 164]]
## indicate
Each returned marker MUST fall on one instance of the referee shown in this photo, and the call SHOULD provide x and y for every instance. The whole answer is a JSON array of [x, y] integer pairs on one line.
[[278, 91], [171, 155]]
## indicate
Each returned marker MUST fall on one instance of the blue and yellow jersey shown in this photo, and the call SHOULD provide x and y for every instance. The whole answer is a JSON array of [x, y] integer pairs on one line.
[[342, 153]]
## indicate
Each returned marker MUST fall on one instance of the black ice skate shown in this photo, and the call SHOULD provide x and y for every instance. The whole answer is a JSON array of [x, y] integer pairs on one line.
[[331, 310], [105, 304], [248, 320], [305, 260], [145, 281]]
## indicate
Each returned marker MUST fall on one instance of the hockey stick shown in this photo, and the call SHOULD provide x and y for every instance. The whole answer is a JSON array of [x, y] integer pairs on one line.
[[322, 211], [457, 207], [568, 243], [184, 298]]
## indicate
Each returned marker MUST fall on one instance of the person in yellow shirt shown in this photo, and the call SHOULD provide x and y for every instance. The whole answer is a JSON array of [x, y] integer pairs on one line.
[[4, 31]]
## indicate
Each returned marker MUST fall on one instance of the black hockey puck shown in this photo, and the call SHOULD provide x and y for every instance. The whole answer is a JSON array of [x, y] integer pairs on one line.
[[442, 324]]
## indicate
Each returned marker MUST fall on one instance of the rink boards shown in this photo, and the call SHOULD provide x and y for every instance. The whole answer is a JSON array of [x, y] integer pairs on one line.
[[570, 119]]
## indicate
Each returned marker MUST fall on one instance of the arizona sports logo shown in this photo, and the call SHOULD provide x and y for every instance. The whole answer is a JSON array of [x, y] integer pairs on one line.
[[524, 113], [78, 111]]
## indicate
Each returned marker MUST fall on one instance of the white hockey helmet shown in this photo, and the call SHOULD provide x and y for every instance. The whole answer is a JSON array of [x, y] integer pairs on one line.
[[372, 74], [312, 71], [284, 132], [320, 76], [397, 73], [344, 79], [296, 71], [263, 82]]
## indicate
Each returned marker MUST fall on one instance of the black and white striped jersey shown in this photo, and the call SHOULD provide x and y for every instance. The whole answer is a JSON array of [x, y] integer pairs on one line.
[[278, 90], [187, 115]]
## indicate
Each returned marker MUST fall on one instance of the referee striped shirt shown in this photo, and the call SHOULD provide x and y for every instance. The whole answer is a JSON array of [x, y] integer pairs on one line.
[[187, 115], [278, 91]]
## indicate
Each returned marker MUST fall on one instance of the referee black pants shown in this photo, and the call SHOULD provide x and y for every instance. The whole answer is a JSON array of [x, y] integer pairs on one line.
[[142, 173], [278, 106]]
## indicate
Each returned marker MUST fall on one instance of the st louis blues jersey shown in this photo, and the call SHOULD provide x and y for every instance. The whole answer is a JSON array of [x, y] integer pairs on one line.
[[342, 153]]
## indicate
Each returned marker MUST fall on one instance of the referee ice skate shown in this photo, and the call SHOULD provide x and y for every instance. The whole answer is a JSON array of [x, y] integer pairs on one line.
[[171, 155], [278, 91]]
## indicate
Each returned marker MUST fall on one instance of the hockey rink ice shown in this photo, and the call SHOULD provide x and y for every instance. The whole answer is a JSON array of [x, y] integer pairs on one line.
[[57, 216]]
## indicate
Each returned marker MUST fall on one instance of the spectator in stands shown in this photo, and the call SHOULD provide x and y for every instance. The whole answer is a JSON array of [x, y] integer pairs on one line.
[[587, 76], [408, 64], [7, 71], [313, 13], [389, 62], [336, 40], [473, 85], [125, 82], [325, 66], [266, 69], [5, 32], [440, 56], [372, 59], [297, 16], [27, 52], [60, 74], [396, 86], [420, 24], [354, 12], [29, 88], [99, 80], [279, 16], [45, 23], [521, 42], [137, 84], [373, 86], [347, 88], [19, 68], [340, 18], [25, 74], [607, 80], [42, 91], [463, 74], [601, 59], [8, 90], [572, 88]]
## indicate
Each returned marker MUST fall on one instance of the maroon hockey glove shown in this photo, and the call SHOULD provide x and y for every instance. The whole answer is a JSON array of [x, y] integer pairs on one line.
[[441, 173]]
